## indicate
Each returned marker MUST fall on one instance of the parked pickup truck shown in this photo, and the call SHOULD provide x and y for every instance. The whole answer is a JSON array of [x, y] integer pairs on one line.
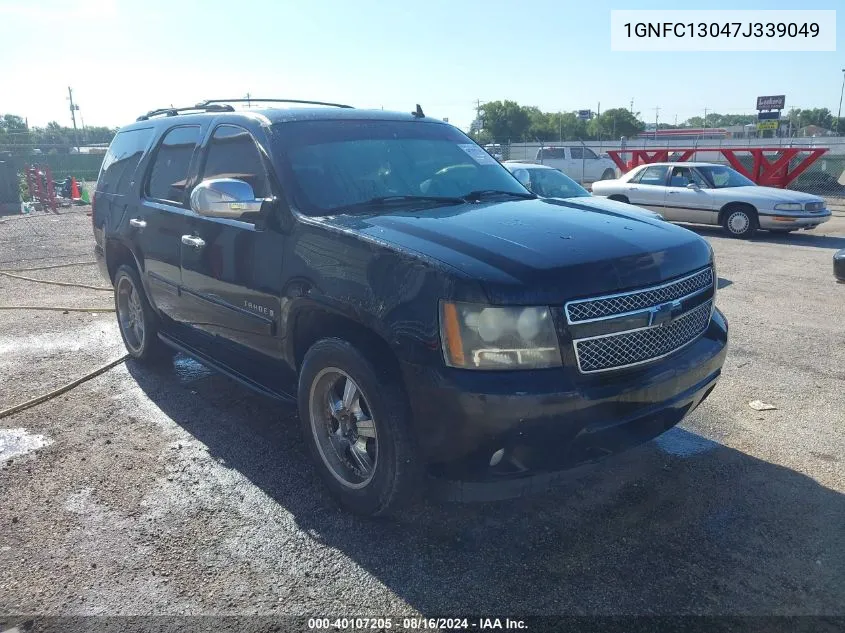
[[434, 320], [576, 161]]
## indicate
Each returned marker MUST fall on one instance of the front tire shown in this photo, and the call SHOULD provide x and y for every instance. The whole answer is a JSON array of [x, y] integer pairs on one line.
[[618, 198], [357, 425], [136, 319], [740, 221]]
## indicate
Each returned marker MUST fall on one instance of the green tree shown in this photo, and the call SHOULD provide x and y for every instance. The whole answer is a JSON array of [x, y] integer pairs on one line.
[[505, 120], [822, 117], [615, 123]]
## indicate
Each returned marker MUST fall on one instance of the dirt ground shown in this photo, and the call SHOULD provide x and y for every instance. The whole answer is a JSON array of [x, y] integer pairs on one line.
[[177, 491]]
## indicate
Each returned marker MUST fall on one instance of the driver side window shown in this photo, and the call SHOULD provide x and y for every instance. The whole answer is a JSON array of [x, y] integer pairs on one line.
[[232, 153]]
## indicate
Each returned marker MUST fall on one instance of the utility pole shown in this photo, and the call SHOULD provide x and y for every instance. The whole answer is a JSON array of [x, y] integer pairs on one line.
[[656, 119], [841, 92], [705, 118], [632, 105], [248, 102], [73, 109]]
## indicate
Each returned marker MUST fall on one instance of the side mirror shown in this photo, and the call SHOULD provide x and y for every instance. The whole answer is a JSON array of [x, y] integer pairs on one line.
[[693, 185], [224, 198]]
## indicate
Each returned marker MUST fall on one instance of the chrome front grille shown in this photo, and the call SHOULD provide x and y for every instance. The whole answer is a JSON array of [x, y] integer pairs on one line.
[[615, 351], [584, 310], [814, 206]]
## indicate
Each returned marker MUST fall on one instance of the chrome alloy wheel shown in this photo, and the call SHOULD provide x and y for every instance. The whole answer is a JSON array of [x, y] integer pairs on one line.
[[343, 428], [130, 314]]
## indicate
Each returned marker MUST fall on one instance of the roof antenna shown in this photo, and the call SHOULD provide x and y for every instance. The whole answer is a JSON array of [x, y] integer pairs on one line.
[[418, 113]]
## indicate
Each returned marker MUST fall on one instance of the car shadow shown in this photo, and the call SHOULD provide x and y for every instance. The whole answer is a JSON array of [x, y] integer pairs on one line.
[[723, 283], [682, 525], [798, 238]]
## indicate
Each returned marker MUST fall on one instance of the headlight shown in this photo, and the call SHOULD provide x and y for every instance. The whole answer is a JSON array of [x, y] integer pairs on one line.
[[483, 337], [789, 206]]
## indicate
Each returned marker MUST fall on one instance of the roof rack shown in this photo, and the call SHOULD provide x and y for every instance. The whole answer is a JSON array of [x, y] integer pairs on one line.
[[250, 100], [200, 107]]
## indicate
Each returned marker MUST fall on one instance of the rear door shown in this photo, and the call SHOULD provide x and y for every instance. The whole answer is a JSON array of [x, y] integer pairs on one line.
[[161, 217], [116, 195], [232, 269], [648, 188], [686, 204]]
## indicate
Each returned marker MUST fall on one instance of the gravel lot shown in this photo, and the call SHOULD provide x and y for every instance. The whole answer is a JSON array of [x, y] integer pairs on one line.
[[177, 491]]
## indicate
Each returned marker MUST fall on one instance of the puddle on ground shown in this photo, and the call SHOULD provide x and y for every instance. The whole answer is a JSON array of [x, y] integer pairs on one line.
[[17, 442], [189, 370], [682, 443]]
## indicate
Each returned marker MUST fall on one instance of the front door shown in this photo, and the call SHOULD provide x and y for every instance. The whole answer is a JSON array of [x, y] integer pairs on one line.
[[161, 219], [648, 189], [232, 268], [688, 198]]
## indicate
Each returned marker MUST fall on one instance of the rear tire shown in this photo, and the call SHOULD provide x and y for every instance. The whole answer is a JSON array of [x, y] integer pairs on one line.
[[740, 221], [137, 321], [357, 425]]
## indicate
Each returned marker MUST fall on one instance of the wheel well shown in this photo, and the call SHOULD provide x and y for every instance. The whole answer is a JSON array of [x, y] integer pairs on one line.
[[116, 255], [731, 206], [618, 198], [314, 324]]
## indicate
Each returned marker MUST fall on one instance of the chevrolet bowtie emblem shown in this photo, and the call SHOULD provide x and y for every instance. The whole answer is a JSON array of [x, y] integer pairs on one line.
[[664, 313]]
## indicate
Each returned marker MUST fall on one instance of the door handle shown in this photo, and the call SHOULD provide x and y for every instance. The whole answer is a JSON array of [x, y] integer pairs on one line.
[[193, 241], [138, 223], [674, 193], [632, 189]]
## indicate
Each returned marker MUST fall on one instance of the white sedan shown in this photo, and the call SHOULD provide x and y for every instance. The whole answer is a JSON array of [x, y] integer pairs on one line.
[[548, 182], [707, 193]]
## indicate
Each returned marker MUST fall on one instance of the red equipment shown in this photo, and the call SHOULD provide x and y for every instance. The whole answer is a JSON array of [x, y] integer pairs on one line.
[[39, 180], [769, 173]]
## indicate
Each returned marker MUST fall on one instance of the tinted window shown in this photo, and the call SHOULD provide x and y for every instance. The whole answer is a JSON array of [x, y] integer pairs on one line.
[[588, 153], [654, 175], [169, 171], [122, 159], [553, 152], [331, 165], [576, 152], [232, 153]]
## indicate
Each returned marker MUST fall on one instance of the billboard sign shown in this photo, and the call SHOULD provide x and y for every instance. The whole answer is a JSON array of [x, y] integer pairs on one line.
[[775, 102]]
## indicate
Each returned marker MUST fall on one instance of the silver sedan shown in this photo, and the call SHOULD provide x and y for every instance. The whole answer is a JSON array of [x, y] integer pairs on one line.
[[707, 193]]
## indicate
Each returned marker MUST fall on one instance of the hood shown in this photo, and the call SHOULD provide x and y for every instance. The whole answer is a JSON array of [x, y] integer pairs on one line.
[[773, 194], [534, 251], [600, 203]]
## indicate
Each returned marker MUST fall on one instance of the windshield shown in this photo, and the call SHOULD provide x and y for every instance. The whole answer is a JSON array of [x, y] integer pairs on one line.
[[723, 177], [334, 165], [550, 183]]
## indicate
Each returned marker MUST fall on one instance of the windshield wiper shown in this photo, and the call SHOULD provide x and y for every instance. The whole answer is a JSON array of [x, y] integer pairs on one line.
[[383, 201], [475, 196]]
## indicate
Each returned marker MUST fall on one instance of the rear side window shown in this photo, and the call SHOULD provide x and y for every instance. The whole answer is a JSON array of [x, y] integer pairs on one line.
[[576, 152], [232, 153], [654, 175], [122, 159], [169, 171], [552, 152]]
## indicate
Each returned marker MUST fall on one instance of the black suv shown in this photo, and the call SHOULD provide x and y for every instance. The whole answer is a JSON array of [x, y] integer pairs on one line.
[[432, 318]]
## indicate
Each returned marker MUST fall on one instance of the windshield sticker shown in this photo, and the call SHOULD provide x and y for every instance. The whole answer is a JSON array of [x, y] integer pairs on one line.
[[477, 154]]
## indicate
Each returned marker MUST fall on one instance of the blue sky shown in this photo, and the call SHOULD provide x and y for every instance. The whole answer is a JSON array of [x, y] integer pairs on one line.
[[125, 57]]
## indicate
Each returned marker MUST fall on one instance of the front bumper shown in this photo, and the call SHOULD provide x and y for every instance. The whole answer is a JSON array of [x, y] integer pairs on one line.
[[791, 221], [552, 420]]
